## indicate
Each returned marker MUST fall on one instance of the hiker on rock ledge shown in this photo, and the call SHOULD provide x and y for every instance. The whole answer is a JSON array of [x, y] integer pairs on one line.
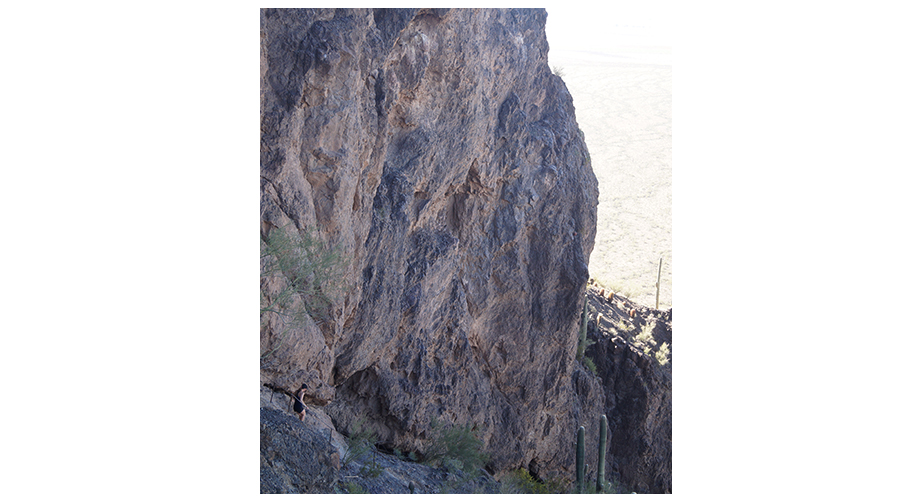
[[299, 406]]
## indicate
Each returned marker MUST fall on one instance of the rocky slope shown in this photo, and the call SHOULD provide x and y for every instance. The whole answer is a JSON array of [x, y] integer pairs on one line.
[[436, 151], [633, 360], [311, 457]]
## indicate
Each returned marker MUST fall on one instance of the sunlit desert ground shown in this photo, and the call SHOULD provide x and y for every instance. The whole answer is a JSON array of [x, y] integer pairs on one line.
[[623, 103]]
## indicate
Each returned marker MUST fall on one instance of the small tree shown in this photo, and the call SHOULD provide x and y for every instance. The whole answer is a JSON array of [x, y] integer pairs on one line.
[[299, 273]]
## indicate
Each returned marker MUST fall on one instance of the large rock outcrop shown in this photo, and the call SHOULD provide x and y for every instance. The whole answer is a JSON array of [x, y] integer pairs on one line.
[[439, 153]]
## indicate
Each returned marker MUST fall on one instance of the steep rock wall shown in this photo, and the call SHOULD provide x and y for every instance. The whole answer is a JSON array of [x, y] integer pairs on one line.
[[439, 152]]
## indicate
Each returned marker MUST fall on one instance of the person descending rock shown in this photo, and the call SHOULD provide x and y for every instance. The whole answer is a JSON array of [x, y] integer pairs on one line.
[[299, 405]]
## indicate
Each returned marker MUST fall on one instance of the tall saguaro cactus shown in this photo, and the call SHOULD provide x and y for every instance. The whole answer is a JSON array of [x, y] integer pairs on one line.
[[579, 461], [601, 461]]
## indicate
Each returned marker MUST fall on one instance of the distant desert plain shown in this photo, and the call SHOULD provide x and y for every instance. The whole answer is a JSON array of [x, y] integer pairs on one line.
[[623, 103]]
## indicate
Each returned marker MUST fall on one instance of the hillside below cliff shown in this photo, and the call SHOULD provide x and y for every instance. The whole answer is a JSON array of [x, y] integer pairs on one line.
[[313, 457], [436, 157]]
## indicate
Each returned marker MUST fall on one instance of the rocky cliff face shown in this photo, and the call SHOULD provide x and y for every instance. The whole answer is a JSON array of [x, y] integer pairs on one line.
[[435, 149]]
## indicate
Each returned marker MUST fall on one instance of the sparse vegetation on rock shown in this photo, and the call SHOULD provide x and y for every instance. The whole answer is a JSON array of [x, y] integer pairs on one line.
[[300, 275], [455, 447], [522, 481]]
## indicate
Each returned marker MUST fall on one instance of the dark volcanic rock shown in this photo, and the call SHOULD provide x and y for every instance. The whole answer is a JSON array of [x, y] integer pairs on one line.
[[638, 390], [299, 457], [436, 149], [293, 457]]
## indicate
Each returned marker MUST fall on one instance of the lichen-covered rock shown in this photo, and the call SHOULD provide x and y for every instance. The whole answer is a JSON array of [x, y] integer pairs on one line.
[[437, 150]]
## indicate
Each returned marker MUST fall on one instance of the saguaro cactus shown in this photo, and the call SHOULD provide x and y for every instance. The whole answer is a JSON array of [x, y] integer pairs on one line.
[[601, 461], [582, 333], [579, 461]]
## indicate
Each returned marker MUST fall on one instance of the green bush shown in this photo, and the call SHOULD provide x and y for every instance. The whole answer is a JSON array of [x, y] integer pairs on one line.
[[662, 355], [456, 448], [645, 338], [360, 441], [371, 470], [521, 481], [304, 274], [647, 344], [354, 489]]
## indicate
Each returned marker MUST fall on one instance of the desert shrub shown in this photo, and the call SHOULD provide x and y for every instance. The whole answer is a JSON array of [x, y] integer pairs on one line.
[[521, 481], [411, 457], [645, 337], [360, 440], [372, 469], [644, 340], [354, 489], [623, 327], [455, 447], [646, 343], [662, 355], [453, 464], [555, 485]]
